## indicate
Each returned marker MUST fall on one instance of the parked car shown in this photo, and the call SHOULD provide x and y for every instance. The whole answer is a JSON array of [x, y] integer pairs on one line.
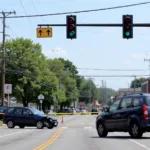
[[94, 112], [70, 111], [25, 116], [130, 113], [83, 112]]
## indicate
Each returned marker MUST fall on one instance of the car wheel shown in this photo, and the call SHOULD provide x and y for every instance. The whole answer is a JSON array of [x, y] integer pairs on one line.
[[135, 130], [39, 125], [102, 132], [50, 126], [21, 126], [10, 124]]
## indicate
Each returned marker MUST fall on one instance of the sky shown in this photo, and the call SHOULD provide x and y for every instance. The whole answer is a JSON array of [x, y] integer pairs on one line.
[[97, 48]]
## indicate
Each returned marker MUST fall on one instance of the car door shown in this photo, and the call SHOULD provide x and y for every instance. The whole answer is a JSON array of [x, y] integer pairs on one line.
[[110, 120], [18, 116], [122, 115], [29, 117]]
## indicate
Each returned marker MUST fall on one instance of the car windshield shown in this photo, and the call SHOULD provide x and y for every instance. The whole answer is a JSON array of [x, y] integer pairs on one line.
[[36, 111], [148, 100], [83, 110]]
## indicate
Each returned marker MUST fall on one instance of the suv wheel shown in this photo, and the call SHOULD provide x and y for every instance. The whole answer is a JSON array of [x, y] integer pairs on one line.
[[102, 132], [135, 130], [39, 125], [21, 126], [10, 124], [50, 126]]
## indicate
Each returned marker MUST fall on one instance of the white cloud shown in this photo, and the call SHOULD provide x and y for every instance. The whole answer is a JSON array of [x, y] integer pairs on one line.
[[55, 53]]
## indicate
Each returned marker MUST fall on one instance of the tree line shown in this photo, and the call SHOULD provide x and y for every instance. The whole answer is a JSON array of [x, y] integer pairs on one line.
[[31, 73]]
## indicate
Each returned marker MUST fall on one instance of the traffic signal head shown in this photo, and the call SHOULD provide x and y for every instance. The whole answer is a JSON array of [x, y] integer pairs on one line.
[[71, 27], [127, 26]]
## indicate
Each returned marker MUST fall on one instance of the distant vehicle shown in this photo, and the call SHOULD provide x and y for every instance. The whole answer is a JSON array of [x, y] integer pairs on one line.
[[130, 113], [70, 111], [77, 110], [94, 112], [25, 116], [83, 112]]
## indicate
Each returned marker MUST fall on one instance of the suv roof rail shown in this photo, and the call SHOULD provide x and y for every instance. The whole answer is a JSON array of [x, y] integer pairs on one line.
[[134, 94]]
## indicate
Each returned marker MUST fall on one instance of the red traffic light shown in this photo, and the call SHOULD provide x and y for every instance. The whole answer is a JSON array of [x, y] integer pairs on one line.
[[127, 19], [71, 20]]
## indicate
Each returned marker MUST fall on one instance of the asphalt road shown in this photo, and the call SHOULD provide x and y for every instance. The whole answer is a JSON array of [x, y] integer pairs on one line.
[[76, 133]]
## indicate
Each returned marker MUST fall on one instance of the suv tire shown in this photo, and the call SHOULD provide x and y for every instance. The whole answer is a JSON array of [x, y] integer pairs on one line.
[[101, 130], [50, 126], [10, 124], [39, 125], [134, 130]]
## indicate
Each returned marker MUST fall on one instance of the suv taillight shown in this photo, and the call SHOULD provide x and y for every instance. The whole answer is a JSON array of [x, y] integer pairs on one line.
[[145, 111]]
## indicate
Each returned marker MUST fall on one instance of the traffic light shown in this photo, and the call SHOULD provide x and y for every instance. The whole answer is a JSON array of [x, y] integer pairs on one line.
[[71, 27], [127, 26]]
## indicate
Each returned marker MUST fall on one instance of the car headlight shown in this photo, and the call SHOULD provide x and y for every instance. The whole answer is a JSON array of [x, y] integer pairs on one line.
[[50, 120]]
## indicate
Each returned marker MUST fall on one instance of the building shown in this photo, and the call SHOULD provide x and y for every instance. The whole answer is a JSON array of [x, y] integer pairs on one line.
[[145, 86], [124, 91]]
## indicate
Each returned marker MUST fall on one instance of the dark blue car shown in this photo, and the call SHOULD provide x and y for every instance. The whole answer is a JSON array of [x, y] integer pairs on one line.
[[24, 116], [130, 113]]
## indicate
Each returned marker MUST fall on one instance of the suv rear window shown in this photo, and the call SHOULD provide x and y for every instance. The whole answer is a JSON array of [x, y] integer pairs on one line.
[[148, 100]]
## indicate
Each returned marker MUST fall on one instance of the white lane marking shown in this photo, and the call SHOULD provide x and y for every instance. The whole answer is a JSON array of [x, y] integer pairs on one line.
[[87, 127], [144, 146], [14, 133]]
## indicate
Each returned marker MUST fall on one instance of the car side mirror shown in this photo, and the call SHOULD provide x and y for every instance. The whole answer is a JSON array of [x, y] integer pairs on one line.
[[30, 114], [106, 109]]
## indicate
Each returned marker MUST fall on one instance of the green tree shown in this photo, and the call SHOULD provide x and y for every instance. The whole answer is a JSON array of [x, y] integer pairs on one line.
[[27, 71], [67, 84], [88, 91], [137, 82]]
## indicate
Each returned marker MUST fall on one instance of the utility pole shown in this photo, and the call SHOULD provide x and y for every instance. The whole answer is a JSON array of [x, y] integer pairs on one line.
[[149, 64], [4, 14], [105, 94], [134, 84], [102, 92]]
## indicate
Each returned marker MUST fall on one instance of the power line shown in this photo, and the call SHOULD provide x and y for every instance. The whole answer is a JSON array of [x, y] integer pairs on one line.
[[25, 12], [35, 8], [112, 69], [107, 76], [83, 11]]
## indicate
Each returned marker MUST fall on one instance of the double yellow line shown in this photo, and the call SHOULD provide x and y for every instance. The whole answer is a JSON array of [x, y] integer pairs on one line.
[[50, 141]]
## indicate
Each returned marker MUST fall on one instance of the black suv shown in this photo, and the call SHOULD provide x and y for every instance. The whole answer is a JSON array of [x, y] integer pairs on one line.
[[24, 116], [130, 113]]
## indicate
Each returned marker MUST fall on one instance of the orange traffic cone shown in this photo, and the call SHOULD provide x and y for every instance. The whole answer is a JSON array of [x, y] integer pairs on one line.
[[62, 120]]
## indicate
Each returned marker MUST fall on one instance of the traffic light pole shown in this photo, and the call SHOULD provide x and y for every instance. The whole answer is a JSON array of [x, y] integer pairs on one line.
[[98, 25]]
